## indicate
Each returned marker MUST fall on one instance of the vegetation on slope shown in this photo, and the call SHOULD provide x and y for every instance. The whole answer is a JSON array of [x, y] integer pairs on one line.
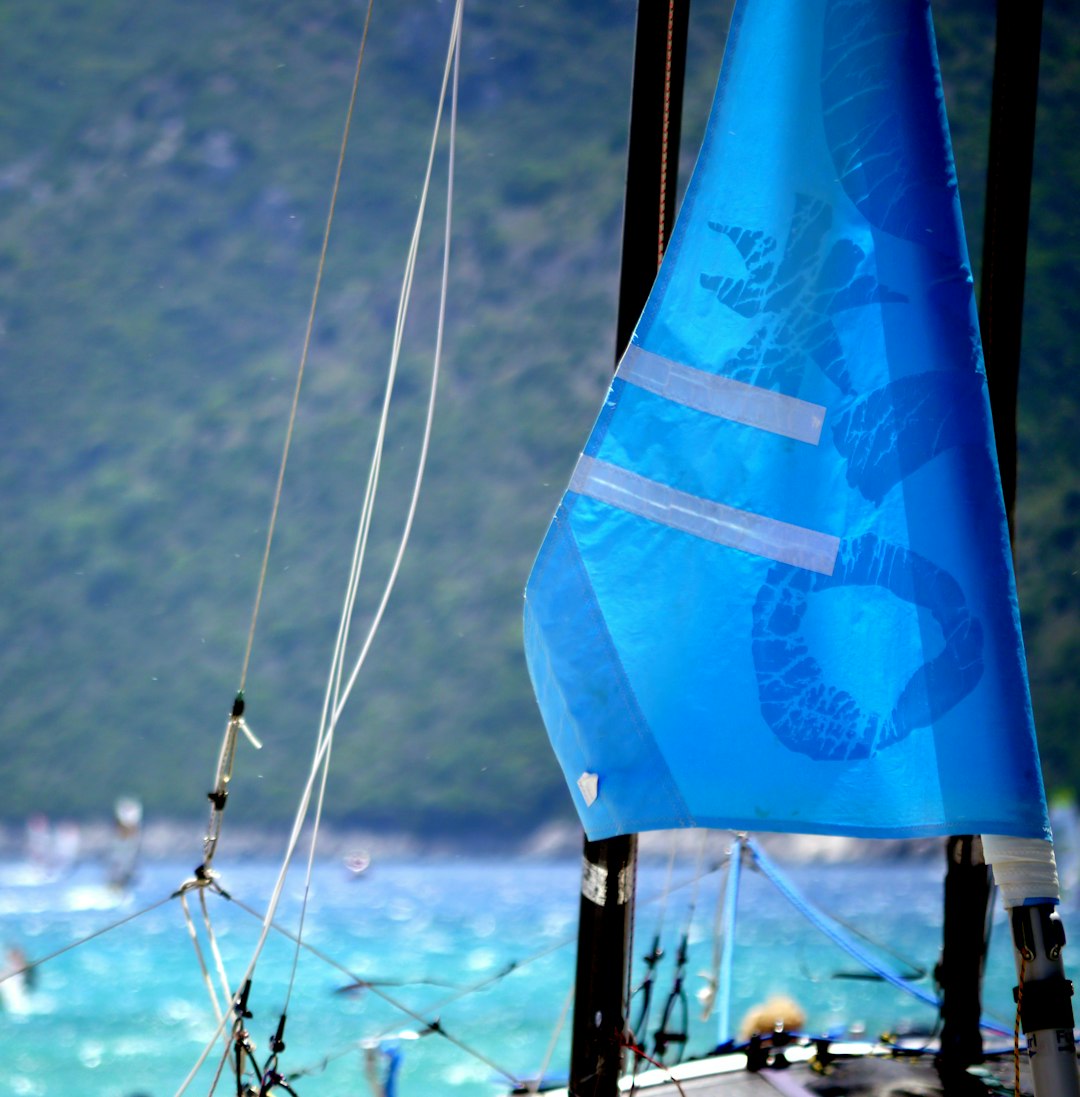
[[164, 176]]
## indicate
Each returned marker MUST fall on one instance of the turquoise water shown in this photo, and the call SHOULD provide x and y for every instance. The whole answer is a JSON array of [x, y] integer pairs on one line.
[[128, 1013]]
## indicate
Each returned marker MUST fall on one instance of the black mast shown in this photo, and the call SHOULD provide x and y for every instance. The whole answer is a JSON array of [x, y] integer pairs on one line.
[[652, 158], [605, 925], [1005, 225], [1001, 308]]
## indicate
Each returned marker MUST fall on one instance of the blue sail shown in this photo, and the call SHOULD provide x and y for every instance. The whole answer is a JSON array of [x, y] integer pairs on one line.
[[778, 592]]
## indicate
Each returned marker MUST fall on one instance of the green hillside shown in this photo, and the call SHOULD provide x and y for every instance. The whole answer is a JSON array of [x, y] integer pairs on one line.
[[165, 171]]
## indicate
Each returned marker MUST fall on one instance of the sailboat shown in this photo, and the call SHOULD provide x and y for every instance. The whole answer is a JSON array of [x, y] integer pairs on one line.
[[777, 594], [236, 725]]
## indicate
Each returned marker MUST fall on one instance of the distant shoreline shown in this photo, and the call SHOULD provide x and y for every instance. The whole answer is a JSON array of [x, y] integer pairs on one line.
[[168, 840]]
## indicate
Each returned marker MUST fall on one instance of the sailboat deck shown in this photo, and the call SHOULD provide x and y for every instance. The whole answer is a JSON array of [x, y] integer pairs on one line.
[[864, 1077], [875, 1074]]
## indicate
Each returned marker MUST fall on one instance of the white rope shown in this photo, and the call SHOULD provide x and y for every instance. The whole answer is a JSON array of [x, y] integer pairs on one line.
[[341, 699], [699, 873], [236, 722], [220, 1067], [535, 1084], [339, 696], [666, 893], [452, 64], [207, 979], [211, 937], [706, 995]]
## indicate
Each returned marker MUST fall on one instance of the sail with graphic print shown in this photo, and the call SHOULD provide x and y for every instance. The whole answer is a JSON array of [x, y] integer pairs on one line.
[[778, 592]]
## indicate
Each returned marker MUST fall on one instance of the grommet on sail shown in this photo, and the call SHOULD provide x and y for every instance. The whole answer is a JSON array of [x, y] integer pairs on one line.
[[778, 593]]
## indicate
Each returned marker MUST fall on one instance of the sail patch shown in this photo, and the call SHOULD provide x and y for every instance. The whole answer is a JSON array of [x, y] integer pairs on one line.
[[589, 784], [723, 397], [704, 518]]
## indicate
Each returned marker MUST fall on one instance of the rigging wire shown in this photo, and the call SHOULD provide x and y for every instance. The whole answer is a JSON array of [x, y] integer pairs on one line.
[[28, 967], [343, 695], [641, 1053], [236, 722], [336, 674], [653, 956], [375, 985], [707, 994], [915, 971], [203, 968], [372, 985], [320, 267], [454, 60], [828, 925], [325, 739], [549, 1054], [677, 998], [666, 894]]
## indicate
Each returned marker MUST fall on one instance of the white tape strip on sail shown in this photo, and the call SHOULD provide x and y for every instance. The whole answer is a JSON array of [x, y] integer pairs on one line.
[[711, 521], [721, 396]]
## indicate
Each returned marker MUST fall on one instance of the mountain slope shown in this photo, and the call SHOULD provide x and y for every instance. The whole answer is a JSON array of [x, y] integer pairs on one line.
[[164, 178]]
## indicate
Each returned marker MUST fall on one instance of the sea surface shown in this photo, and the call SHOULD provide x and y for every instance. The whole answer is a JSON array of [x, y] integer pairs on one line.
[[482, 949]]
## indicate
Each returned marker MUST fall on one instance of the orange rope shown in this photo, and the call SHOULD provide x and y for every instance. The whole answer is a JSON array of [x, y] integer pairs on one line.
[[1016, 1026], [662, 238], [642, 1054]]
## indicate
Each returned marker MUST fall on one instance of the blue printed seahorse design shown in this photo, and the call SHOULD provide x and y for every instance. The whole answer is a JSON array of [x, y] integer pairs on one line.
[[883, 124], [883, 435], [888, 432], [796, 295], [894, 430], [877, 80], [815, 717], [878, 84]]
